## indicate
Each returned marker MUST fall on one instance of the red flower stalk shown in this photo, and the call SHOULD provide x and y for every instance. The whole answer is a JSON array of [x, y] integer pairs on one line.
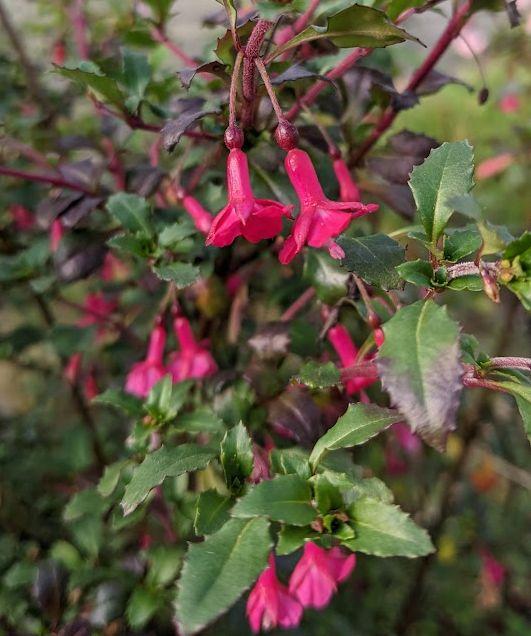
[[56, 235], [97, 310], [192, 360], [317, 574], [144, 375], [347, 351], [320, 220], [254, 219], [270, 604], [348, 190]]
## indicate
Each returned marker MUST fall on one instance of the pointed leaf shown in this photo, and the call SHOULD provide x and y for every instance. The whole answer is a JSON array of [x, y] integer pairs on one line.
[[212, 512], [319, 376], [236, 457], [182, 274], [131, 211], [219, 570], [419, 366]]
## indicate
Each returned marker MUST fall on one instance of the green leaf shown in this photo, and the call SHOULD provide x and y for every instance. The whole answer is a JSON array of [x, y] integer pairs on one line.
[[291, 538], [138, 246], [354, 26], [136, 75], [181, 274], [217, 571], [87, 502], [111, 475], [236, 457], [420, 368], [374, 258], [286, 498], [202, 420], [166, 398], [518, 247], [91, 77], [164, 563], [327, 494], [459, 243], [417, 273], [212, 512], [324, 274], [384, 530], [319, 376], [522, 394], [142, 606], [132, 212], [126, 402], [165, 462], [356, 426], [291, 461], [495, 237], [175, 233], [445, 174]]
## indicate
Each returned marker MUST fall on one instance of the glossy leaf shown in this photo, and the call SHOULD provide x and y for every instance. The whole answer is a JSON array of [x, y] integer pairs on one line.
[[319, 376], [211, 512], [236, 457]]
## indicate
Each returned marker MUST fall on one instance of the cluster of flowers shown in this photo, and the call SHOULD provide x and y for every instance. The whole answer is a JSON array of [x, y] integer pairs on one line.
[[312, 584], [319, 221], [192, 360]]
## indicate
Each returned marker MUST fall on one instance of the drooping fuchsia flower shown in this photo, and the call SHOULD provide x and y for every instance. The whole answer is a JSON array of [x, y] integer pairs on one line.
[[202, 218], [492, 569], [317, 574], [144, 375], [320, 220], [97, 310], [408, 441], [347, 351], [193, 360], [22, 217], [270, 604], [254, 219], [348, 190], [73, 367]]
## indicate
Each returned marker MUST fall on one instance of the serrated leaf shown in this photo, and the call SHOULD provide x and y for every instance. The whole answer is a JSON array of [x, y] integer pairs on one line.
[[181, 274], [91, 77], [236, 457], [202, 420], [142, 606], [357, 25], [384, 530], [290, 461], [319, 376], [444, 175], [132, 212], [325, 276], [374, 258], [211, 512], [416, 272], [219, 570], [286, 498], [126, 402], [522, 394], [111, 475], [459, 243], [291, 538], [356, 426], [420, 368], [136, 75], [167, 461], [173, 131], [166, 398]]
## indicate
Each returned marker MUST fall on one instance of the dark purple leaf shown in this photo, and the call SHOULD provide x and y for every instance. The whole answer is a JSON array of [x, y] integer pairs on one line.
[[77, 627], [395, 169], [295, 73], [49, 589], [410, 143], [294, 414], [512, 13], [175, 128], [144, 180], [81, 263], [434, 81], [74, 142], [50, 208], [84, 172], [215, 68], [381, 83], [398, 197], [79, 210], [271, 341]]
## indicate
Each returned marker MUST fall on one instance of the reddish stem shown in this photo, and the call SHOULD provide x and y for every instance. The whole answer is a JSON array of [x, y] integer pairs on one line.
[[251, 52], [452, 30], [296, 306], [511, 363], [79, 26], [44, 178], [359, 370], [159, 36]]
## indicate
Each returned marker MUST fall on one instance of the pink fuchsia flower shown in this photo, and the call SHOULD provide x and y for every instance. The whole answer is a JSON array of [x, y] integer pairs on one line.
[[510, 103], [56, 234], [144, 375], [22, 217], [201, 218], [494, 166], [254, 219], [270, 604], [261, 467], [90, 386], [317, 574], [492, 569], [73, 368], [408, 441], [320, 220], [348, 190], [347, 351], [97, 311], [192, 360], [113, 268]]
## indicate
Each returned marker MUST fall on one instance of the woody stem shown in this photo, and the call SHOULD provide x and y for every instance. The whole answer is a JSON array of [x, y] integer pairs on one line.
[[269, 88], [234, 88]]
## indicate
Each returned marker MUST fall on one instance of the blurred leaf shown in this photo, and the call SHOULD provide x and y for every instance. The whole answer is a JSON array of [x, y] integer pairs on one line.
[[290, 461], [181, 274], [172, 132], [166, 398], [49, 589], [91, 77], [356, 426], [215, 68], [142, 606], [212, 512], [236, 457], [294, 73], [416, 272], [271, 341], [445, 174], [85, 502], [164, 564], [219, 570], [295, 414], [356, 25], [132, 212], [291, 538], [110, 478], [81, 263], [136, 75], [327, 495], [435, 80], [286, 498], [126, 402], [319, 376], [384, 530], [202, 420], [164, 462], [325, 276], [413, 144], [461, 242], [419, 366], [495, 237]]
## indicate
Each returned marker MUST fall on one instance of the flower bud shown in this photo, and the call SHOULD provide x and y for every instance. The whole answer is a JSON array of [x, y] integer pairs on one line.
[[286, 135], [233, 137]]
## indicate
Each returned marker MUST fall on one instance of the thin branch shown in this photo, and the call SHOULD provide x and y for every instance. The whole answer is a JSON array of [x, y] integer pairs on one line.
[[159, 36], [44, 178], [511, 363], [297, 305]]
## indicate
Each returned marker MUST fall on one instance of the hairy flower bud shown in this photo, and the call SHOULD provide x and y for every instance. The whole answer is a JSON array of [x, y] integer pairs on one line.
[[233, 137], [286, 135]]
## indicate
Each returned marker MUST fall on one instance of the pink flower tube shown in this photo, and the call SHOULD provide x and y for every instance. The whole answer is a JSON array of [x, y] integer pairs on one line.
[[254, 219], [320, 220], [144, 375], [316, 576], [348, 190], [192, 360], [347, 351], [270, 604]]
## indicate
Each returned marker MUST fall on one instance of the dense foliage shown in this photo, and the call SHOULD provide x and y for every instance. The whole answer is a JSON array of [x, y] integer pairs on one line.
[[261, 328]]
